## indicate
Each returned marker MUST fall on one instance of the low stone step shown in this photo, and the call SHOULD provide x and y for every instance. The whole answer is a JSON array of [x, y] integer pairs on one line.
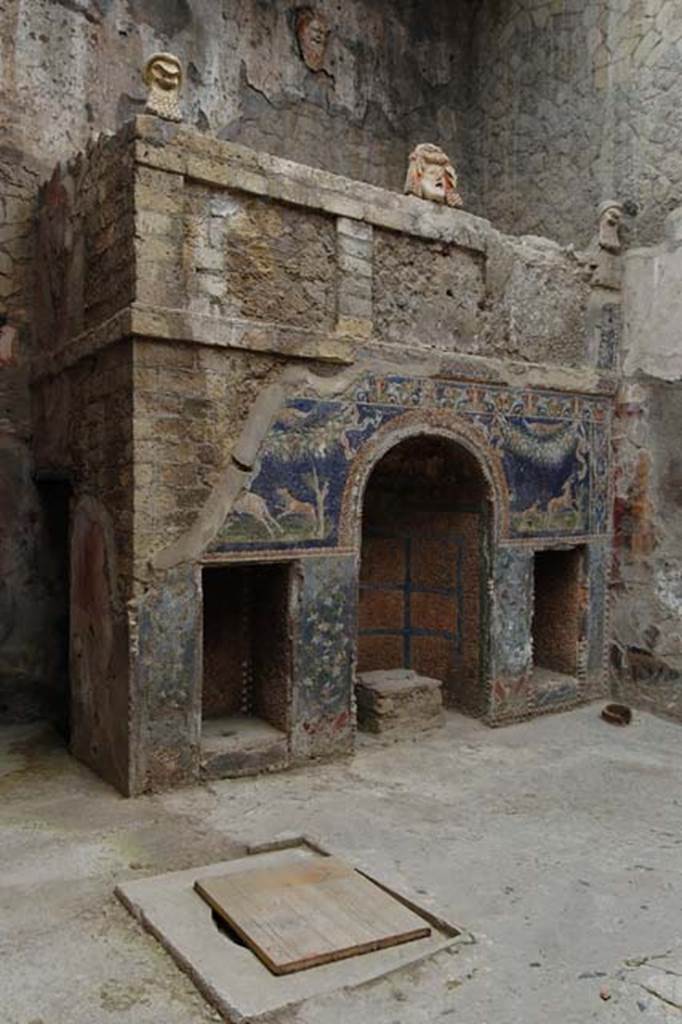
[[398, 701]]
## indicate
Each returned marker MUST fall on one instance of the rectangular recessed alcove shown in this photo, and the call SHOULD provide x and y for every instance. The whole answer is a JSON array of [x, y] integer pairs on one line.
[[246, 668], [558, 613], [230, 975]]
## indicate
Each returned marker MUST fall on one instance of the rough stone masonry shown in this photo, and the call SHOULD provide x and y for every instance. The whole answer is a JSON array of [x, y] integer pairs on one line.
[[285, 406], [206, 320]]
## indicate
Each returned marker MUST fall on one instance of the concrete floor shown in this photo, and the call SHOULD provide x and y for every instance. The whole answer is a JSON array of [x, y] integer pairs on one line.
[[557, 842]]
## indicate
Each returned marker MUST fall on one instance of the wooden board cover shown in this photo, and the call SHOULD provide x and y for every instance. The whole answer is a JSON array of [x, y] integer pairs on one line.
[[303, 914]]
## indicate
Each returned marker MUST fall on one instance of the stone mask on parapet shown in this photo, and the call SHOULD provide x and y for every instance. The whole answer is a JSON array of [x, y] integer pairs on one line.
[[311, 33], [430, 175], [163, 77], [610, 222]]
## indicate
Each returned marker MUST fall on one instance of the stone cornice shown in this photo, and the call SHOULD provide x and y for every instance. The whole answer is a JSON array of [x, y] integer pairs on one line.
[[155, 323], [158, 323], [203, 158]]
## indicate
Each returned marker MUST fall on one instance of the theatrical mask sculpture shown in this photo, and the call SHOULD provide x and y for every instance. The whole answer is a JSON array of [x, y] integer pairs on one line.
[[311, 33], [610, 222], [163, 77], [430, 175]]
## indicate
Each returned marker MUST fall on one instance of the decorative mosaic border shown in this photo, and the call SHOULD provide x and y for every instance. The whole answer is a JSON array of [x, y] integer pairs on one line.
[[546, 456]]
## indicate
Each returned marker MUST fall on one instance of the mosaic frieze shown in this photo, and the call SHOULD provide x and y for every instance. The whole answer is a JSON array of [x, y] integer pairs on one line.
[[553, 448]]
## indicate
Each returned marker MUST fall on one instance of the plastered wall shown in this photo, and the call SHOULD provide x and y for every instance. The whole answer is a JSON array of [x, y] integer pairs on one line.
[[646, 653]]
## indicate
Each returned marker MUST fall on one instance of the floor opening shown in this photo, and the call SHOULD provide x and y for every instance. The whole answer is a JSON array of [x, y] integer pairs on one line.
[[424, 544], [246, 670], [230, 933], [287, 907]]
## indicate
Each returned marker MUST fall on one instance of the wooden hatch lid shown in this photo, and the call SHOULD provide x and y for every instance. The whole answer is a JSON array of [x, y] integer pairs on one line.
[[299, 915]]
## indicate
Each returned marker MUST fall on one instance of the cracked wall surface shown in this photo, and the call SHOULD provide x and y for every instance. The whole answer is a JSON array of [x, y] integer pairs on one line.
[[646, 652]]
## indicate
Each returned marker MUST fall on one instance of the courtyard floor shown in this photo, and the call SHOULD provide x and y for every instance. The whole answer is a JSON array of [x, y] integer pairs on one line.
[[557, 843]]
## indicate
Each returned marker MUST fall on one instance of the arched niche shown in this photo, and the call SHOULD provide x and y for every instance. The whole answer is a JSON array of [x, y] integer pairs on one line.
[[424, 535]]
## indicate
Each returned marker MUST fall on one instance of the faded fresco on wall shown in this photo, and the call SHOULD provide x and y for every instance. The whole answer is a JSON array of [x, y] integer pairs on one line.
[[553, 449]]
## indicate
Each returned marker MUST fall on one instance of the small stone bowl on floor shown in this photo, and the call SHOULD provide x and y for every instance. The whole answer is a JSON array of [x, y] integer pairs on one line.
[[617, 714]]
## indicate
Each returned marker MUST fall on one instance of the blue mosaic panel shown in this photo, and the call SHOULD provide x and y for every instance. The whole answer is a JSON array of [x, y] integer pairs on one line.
[[554, 450], [610, 330], [302, 471], [598, 557], [323, 670]]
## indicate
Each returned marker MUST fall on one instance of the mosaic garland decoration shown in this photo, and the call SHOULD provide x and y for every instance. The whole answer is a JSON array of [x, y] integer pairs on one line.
[[554, 450]]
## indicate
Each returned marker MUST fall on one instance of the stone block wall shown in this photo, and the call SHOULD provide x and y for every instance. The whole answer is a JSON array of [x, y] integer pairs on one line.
[[414, 275], [192, 400], [426, 293], [522, 299], [190, 405], [82, 407], [84, 254], [205, 425], [576, 103], [209, 419]]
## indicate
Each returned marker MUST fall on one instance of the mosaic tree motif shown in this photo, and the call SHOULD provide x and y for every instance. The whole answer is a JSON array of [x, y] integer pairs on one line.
[[554, 450], [297, 487]]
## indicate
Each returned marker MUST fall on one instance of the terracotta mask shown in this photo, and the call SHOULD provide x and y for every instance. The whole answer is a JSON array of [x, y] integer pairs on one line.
[[430, 175], [163, 77], [610, 221]]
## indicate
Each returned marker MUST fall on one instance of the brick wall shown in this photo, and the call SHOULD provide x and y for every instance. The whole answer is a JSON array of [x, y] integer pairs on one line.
[[84, 267], [421, 564], [558, 609]]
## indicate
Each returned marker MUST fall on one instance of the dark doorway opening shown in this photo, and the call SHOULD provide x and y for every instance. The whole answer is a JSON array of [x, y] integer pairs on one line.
[[422, 594], [558, 610], [54, 495], [247, 652]]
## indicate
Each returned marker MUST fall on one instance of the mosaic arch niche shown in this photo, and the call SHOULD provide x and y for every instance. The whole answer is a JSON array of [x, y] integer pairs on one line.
[[427, 514]]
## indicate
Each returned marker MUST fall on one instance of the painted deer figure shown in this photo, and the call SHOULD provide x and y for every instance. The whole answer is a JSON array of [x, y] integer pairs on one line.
[[294, 507], [528, 516], [250, 504], [562, 503]]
